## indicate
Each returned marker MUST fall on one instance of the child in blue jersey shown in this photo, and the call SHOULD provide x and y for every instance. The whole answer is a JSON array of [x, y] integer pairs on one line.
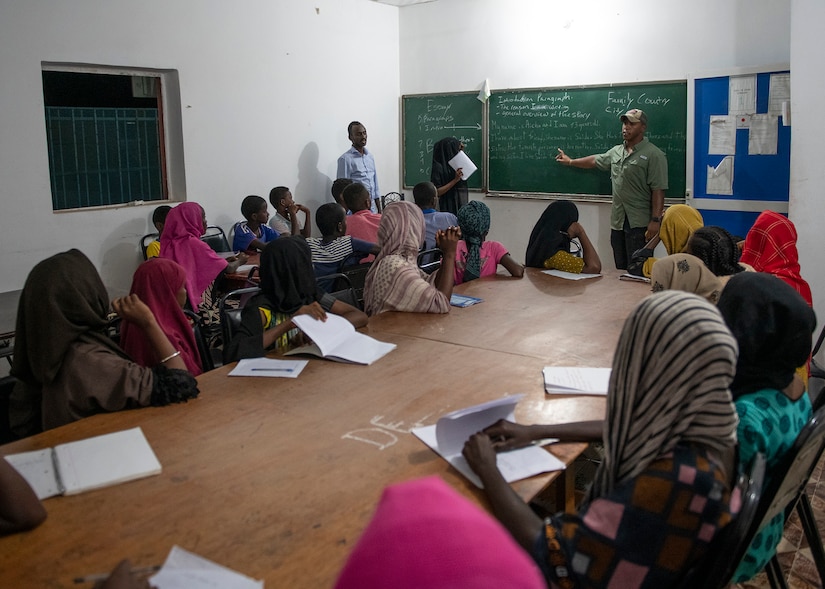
[[253, 234], [335, 248]]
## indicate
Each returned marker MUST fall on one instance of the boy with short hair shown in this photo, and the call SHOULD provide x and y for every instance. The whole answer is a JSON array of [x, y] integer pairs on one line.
[[338, 189], [425, 195], [335, 247], [158, 220], [362, 223], [253, 234], [285, 220]]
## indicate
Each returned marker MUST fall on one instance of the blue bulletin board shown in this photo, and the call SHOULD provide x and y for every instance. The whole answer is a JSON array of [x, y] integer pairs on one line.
[[755, 177]]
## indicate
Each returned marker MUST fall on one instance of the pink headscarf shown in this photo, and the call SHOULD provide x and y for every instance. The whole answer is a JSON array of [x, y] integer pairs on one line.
[[181, 242], [424, 534], [157, 282]]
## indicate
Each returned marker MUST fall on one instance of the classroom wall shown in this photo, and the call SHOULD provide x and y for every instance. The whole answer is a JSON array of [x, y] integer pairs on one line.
[[267, 90], [807, 172], [453, 45]]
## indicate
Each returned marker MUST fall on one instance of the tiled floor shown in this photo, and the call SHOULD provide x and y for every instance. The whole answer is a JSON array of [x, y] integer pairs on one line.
[[794, 554]]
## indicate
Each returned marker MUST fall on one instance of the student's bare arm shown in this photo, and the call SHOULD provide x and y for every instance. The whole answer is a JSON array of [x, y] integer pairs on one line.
[[355, 316], [507, 435], [447, 241], [513, 267], [592, 263], [132, 309], [459, 174], [20, 509], [235, 262]]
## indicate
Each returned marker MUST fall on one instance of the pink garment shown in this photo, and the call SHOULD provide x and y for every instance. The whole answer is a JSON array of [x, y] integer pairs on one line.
[[157, 282], [491, 254], [181, 242], [425, 535], [364, 225]]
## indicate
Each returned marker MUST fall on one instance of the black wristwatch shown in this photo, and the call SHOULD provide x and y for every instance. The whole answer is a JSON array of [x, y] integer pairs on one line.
[[656, 219]]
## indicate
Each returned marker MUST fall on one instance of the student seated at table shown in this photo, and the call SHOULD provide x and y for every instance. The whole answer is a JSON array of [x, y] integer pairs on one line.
[[770, 246], [161, 284], [20, 509], [395, 282], [158, 220], [678, 224], [286, 220], [68, 368], [288, 288], [425, 534], [425, 195], [253, 234], [362, 223], [662, 491], [205, 270], [686, 273], [717, 248], [549, 244], [475, 257], [337, 190], [335, 248], [773, 325]]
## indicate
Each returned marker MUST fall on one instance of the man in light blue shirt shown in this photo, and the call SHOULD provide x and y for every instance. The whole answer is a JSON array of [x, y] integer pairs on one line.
[[358, 164]]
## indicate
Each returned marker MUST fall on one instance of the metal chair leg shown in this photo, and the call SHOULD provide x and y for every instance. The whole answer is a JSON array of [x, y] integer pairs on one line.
[[806, 517], [775, 575]]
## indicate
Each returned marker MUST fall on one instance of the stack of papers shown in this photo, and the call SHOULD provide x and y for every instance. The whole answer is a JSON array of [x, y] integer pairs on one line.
[[634, 278], [185, 570], [269, 367], [336, 339], [571, 380], [569, 275], [448, 435], [457, 300]]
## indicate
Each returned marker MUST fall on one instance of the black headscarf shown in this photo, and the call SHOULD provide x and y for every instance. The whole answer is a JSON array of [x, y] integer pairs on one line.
[[547, 237], [287, 278], [443, 151], [62, 301], [772, 324]]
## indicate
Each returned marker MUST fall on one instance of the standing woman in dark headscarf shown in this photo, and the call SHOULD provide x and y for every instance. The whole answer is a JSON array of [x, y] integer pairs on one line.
[[773, 325], [288, 288], [475, 257], [549, 245], [452, 190], [67, 365]]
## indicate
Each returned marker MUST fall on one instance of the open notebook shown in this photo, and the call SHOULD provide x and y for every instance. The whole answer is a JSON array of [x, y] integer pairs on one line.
[[68, 469], [575, 380], [336, 339], [451, 431]]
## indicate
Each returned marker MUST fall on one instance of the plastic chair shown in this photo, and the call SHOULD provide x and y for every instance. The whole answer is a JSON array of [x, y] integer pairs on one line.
[[144, 243], [216, 239], [717, 567], [340, 287], [208, 360], [430, 260], [390, 198], [231, 314], [357, 275]]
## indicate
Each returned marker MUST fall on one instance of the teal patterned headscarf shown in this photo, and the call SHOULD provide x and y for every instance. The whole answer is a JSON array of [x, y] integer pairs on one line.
[[474, 220]]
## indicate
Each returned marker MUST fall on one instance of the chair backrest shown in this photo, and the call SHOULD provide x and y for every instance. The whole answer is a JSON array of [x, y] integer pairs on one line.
[[144, 243], [340, 287], [389, 198], [216, 239], [6, 387], [205, 353], [357, 275], [430, 260], [715, 570], [230, 309]]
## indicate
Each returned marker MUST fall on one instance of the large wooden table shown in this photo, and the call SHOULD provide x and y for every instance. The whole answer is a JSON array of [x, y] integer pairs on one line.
[[277, 478]]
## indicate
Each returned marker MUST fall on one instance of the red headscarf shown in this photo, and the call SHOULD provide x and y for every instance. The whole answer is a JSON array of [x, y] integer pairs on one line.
[[770, 246], [181, 242], [157, 282]]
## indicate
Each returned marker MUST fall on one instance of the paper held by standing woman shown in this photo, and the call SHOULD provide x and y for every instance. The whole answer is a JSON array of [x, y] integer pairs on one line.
[[462, 160]]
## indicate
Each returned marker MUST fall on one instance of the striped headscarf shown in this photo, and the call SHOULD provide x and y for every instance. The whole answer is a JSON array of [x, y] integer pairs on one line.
[[394, 281], [673, 365], [474, 220], [770, 246]]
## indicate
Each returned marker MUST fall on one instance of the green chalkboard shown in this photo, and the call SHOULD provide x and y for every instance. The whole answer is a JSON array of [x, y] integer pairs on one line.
[[526, 127], [430, 117]]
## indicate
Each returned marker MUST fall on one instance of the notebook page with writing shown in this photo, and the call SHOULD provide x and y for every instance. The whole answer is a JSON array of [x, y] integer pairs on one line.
[[105, 460]]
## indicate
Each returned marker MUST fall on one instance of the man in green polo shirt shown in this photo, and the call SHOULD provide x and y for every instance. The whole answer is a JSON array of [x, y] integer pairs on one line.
[[638, 171]]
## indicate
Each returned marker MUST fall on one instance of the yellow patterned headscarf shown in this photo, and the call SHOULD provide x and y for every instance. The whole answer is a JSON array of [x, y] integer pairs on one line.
[[679, 223]]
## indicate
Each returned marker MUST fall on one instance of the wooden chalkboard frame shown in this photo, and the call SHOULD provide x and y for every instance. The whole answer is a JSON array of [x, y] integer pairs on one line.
[[421, 155], [678, 174]]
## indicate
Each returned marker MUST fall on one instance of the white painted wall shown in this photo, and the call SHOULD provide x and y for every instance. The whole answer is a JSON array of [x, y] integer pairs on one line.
[[807, 201], [453, 45], [267, 87]]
